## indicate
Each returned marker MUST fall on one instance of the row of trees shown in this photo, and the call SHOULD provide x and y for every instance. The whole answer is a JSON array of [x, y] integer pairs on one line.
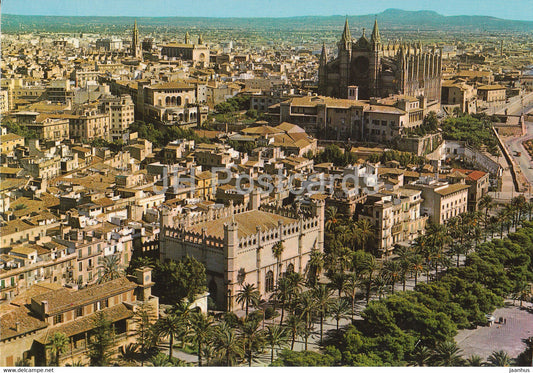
[[396, 329]]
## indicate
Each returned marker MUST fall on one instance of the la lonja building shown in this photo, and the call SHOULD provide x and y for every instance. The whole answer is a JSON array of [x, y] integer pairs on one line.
[[235, 244], [373, 69]]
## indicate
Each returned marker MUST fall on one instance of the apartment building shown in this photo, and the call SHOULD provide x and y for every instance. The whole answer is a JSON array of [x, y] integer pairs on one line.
[[395, 217], [441, 200]]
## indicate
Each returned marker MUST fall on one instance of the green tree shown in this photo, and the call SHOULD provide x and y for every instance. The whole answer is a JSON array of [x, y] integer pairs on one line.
[[314, 267], [146, 339], [253, 338], [277, 251], [110, 268], [228, 344], [247, 296], [172, 326], [363, 231], [175, 281], [339, 310], [322, 297], [275, 336], [499, 359], [296, 326], [201, 331], [475, 361], [447, 354], [101, 343], [58, 343], [304, 359]]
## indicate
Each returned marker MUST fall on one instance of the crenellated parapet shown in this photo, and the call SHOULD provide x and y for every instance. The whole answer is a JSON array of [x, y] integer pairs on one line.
[[184, 235]]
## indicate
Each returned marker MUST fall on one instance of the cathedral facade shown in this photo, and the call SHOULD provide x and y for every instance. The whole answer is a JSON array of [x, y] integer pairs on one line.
[[380, 70]]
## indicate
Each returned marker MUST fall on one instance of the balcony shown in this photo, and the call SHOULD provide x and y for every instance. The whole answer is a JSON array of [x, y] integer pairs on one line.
[[397, 228]]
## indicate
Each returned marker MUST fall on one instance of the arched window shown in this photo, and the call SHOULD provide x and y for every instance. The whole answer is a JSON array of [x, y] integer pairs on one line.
[[179, 101], [290, 268], [269, 282], [173, 100], [167, 100]]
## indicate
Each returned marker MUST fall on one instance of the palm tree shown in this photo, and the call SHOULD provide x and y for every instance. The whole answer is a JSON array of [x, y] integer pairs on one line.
[[306, 308], [369, 266], [171, 326], [422, 356], [322, 295], [160, 360], [475, 361], [128, 353], [282, 294], [228, 344], [110, 266], [447, 354], [295, 325], [416, 263], [379, 285], [58, 344], [499, 359], [331, 218], [392, 272], [352, 285], [314, 267], [253, 338], [202, 329], [276, 336], [248, 295], [363, 231], [339, 310], [337, 282], [486, 202], [277, 251]]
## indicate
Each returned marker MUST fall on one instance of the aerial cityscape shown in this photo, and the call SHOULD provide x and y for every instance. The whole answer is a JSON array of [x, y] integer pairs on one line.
[[266, 184]]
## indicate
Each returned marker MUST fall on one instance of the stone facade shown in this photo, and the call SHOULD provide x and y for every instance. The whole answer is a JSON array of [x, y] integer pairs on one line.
[[236, 241]]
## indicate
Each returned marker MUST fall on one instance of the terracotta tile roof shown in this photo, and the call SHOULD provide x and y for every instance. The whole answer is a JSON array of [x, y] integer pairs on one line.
[[64, 299], [27, 323], [246, 223], [84, 324], [473, 175]]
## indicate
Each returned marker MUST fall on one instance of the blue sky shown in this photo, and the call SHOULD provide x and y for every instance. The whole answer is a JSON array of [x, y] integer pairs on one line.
[[510, 9]]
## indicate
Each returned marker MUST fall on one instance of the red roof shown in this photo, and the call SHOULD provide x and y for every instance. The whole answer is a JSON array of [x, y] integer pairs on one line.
[[474, 175]]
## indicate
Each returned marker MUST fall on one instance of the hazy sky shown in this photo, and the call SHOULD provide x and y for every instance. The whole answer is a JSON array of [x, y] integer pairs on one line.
[[510, 9]]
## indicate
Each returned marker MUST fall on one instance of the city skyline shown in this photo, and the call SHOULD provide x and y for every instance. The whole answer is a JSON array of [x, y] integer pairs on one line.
[[274, 8]]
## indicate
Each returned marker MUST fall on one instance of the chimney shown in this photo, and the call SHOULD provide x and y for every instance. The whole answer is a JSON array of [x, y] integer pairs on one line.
[[45, 306], [17, 326]]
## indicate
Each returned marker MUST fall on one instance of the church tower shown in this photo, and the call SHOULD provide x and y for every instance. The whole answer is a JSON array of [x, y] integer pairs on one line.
[[375, 61], [135, 46], [322, 71], [345, 57]]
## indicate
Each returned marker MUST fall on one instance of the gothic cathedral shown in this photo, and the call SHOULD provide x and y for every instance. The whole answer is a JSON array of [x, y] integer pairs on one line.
[[380, 70]]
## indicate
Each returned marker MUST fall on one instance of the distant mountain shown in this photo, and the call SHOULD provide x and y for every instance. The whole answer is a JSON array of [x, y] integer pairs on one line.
[[390, 19]]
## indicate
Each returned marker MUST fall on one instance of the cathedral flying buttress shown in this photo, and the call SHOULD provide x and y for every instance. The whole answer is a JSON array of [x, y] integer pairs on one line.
[[380, 70]]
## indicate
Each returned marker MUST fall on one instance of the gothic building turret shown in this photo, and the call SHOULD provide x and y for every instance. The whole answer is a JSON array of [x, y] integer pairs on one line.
[[322, 73], [135, 45]]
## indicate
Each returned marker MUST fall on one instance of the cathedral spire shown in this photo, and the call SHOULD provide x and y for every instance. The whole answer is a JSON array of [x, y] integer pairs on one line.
[[323, 55], [135, 46], [346, 36], [187, 41], [375, 38]]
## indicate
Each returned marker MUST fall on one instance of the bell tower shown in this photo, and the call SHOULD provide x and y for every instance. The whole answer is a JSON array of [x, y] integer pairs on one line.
[[135, 46], [345, 57]]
